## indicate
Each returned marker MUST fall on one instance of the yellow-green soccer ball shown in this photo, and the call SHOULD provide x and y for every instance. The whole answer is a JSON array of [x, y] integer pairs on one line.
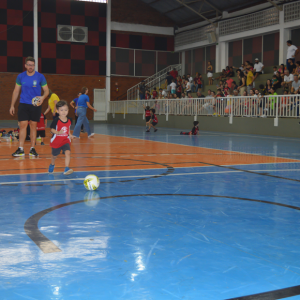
[[91, 182]]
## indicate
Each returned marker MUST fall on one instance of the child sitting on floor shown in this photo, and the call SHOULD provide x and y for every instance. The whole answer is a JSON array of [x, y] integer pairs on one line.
[[194, 131]]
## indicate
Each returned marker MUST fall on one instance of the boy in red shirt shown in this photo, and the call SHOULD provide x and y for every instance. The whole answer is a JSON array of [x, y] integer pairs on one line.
[[194, 131], [61, 139], [41, 127], [153, 121], [147, 114]]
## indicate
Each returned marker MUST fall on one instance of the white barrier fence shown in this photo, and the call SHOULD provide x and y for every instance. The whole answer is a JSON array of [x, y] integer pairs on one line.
[[267, 106]]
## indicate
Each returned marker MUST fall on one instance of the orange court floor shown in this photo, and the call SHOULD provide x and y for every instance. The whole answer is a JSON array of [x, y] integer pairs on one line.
[[105, 152]]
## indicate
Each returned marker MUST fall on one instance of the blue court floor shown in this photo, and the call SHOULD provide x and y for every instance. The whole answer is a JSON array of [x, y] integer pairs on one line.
[[211, 233]]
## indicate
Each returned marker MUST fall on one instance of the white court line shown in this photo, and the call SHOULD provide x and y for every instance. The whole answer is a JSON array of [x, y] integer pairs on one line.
[[293, 162], [142, 176]]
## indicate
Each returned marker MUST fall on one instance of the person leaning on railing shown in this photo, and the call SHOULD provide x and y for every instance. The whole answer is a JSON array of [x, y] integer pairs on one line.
[[273, 100]]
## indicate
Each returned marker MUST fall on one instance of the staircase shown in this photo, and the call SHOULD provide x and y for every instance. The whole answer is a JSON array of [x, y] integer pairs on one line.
[[156, 80]]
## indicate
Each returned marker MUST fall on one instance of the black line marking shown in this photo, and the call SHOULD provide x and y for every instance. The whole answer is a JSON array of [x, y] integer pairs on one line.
[[9, 184], [33, 232], [272, 295], [57, 184], [33, 184], [249, 171]]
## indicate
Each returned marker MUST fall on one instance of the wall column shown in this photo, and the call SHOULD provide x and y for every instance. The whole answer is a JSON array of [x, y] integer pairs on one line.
[[182, 63], [284, 35], [35, 35], [221, 56], [108, 52]]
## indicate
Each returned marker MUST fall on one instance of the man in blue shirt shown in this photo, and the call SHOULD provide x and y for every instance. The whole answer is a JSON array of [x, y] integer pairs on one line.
[[30, 83], [75, 101]]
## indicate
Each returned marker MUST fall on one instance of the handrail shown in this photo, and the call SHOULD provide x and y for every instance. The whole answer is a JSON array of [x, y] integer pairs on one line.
[[275, 106], [151, 81]]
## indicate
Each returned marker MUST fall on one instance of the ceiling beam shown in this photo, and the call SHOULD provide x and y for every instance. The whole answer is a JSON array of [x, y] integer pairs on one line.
[[196, 12], [274, 4], [216, 9], [179, 7]]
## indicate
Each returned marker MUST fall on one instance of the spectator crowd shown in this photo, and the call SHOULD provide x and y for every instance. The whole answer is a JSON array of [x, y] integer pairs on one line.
[[284, 77]]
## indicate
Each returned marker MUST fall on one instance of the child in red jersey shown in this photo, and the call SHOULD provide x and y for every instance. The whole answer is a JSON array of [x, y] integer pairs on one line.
[[153, 120], [61, 139], [147, 114], [194, 131], [154, 93], [41, 127]]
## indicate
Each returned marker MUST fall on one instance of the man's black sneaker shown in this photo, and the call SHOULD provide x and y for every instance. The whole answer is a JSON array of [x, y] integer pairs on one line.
[[18, 153], [33, 152], [155, 130]]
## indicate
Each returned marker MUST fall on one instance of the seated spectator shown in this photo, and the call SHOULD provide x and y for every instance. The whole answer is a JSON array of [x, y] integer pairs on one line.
[[291, 66], [222, 76], [275, 70], [227, 70], [274, 81], [174, 73], [233, 86], [295, 85], [183, 78], [199, 95], [229, 81], [258, 68], [242, 68], [183, 95], [147, 95], [226, 90], [297, 68], [279, 81], [208, 94], [231, 72], [198, 83], [287, 80], [281, 70], [268, 86]]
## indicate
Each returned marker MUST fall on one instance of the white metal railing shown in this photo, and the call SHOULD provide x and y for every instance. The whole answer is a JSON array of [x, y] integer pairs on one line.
[[291, 11], [275, 106], [155, 80], [255, 20], [193, 35]]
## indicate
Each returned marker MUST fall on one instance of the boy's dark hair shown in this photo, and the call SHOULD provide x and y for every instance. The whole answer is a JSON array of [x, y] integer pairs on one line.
[[154, 88], [234, 82], [275, 67], [196, 123], [29, 58], [274, 76], [153, 110], [61, 103], [290, 42], [83, 90], [148, 107], [298, 62]]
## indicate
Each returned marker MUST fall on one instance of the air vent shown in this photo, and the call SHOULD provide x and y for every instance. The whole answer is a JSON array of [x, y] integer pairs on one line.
[[67, 33]]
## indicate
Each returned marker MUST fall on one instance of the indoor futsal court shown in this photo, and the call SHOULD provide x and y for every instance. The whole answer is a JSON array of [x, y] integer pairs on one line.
[[214, 216]]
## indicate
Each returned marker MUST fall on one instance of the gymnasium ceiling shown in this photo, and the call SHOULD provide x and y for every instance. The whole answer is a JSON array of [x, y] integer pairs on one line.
[[185, 12]]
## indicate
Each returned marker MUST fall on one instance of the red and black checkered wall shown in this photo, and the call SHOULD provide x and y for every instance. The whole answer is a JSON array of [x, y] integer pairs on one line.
[[141, 55], [16, 36], [196, 60], [265, 48]]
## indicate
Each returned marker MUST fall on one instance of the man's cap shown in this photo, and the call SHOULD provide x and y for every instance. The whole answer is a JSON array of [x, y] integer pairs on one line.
[[256, 58]]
